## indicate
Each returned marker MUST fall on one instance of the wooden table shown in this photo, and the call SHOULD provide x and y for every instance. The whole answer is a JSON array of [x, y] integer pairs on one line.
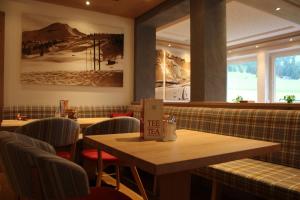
[[171, 162], [13, 124]]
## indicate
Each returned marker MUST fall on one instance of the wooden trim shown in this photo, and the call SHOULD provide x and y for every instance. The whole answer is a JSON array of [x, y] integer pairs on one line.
[[2, 29], [272, 106]]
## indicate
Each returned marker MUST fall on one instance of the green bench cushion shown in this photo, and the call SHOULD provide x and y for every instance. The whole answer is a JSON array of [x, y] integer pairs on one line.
[[265, 179]]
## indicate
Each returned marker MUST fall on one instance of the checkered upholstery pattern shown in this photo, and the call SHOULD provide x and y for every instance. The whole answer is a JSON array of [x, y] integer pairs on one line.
[[265, 179], [282, 126], [32, 112], [38, 112], [274, 176], [99, 111], [270, 125]]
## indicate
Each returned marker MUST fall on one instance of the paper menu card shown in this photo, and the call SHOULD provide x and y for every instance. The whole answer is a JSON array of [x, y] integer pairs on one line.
[[153, 115]]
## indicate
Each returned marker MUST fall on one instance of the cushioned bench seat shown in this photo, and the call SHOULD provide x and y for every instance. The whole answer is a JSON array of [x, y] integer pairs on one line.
[[265, 179], [272, 176]]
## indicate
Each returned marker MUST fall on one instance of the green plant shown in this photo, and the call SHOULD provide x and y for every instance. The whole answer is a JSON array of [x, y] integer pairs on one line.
[[289, 98], [238, 99]]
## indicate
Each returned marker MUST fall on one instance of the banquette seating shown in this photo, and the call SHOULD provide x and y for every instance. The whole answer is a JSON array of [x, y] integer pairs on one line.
[[272, 176], [39, 112]]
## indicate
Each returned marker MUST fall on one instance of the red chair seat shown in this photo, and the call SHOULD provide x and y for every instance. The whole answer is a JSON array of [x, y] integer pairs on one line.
[[98, 193], [92, 154], [64, 154]]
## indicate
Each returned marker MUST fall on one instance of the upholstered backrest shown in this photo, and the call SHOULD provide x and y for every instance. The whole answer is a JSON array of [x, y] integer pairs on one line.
[[56, 131], [99, 111], [39, 112], [32, 112], [37, 174], [7, 137], [282, 126], [114, 125]]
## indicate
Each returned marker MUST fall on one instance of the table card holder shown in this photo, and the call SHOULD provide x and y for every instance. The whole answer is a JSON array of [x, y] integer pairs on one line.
[[152, 110], [63, 106]]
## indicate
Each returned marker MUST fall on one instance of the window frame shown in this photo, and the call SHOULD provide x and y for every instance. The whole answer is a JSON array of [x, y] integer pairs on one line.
[[272, 76], [239, 60]]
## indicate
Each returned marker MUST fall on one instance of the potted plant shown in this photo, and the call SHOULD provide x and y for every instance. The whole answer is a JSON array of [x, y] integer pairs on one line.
[[289, 98], [238, 99]]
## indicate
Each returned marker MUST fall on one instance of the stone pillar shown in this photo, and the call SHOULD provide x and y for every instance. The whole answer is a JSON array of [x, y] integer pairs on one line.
[[208, 50], [144, 59]]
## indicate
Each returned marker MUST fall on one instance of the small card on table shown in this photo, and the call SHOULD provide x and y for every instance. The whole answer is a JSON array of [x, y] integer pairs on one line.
[[153, 115]]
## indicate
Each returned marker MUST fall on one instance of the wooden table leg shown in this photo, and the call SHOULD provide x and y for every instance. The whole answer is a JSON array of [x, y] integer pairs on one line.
[[174, 186], [138, 182], [99, 167]]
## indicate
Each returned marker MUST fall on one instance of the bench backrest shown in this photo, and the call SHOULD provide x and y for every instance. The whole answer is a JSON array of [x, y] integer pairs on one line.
[[39, 112], [282, 126]]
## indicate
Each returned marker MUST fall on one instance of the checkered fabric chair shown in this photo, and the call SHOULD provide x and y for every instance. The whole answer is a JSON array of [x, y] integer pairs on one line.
[[61, 133], [110, 126], [36, 173]]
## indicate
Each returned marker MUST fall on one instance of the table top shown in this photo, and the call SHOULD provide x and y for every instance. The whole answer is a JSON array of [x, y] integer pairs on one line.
[[191, 150], [84, 122]]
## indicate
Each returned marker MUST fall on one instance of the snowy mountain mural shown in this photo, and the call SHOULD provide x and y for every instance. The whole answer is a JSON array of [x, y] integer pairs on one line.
[[61, 54]]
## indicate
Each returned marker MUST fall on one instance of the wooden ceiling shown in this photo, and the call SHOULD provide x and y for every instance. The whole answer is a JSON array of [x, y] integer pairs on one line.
[[124, 8]]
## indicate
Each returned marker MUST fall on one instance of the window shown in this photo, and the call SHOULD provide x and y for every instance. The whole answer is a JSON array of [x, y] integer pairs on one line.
[[286, 76], [242, 79]]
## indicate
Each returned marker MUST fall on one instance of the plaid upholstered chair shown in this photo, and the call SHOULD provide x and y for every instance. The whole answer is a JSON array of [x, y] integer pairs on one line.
[[62, 133], [110, 126], [35, 172]]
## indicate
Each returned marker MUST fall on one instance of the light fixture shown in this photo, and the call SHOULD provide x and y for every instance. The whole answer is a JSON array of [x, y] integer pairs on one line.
[[87, 3], [256, 46], [277, 9], [169, 45], [291, 39]]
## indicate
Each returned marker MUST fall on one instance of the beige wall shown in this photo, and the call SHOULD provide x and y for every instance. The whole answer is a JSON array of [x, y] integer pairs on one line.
[[15, 93]]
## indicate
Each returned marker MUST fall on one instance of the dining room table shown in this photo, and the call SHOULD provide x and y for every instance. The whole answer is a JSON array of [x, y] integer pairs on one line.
[[172, 162]]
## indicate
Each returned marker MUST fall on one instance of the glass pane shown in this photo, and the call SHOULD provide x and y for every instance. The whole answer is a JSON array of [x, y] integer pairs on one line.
[[287, 77], [242, 81]]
